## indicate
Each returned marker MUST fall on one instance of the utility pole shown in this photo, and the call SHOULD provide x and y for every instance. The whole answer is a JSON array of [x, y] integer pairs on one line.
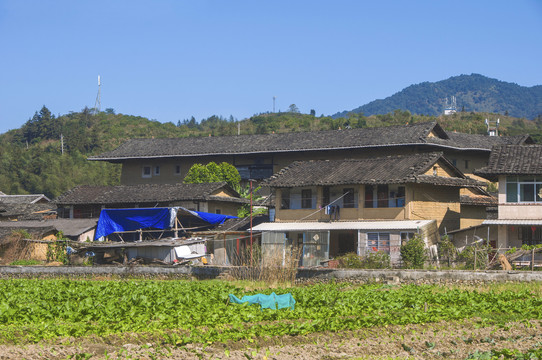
[[250, 222]]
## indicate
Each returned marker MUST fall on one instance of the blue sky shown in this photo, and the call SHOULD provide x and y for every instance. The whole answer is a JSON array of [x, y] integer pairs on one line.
[[170, 60]]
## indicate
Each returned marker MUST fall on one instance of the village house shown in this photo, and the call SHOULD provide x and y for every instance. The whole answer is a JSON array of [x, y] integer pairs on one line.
[[26, 207], [88, 201], [332, 207], [257, 157], [518, 171]]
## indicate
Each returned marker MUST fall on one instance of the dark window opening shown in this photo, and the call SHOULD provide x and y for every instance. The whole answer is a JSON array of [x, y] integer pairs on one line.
[[349, 198], [368, 196], [285, 199], [306, 199], [325, 196]]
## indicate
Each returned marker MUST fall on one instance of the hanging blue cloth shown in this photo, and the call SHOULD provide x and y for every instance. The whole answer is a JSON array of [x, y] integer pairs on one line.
[[266, 301]]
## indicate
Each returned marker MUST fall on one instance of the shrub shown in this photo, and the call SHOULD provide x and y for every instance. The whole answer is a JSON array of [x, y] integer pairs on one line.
[[447, 250], [413, 253], [478, 253], [350, 261], [372, 260]]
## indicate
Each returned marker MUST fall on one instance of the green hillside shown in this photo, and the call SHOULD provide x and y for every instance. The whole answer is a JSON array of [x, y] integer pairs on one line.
[[33, 159], [473, 93]]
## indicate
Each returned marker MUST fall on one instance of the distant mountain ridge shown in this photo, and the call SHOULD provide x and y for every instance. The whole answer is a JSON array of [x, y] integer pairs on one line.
[[473, 92]]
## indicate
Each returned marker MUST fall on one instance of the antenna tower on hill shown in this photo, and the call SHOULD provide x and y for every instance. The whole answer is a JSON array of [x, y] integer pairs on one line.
[[98, 104], [493, 127], [452, 109]]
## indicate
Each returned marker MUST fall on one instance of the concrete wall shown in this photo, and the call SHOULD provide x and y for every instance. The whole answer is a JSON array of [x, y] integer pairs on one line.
[[304, 275]]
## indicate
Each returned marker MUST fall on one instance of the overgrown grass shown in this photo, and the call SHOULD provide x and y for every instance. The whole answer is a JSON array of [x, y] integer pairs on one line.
[[26, 262]]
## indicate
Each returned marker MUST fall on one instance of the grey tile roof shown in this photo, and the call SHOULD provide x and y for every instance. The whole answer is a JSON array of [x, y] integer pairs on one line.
[[23, 199], [463, 141], [413, 134], [69, 227], [134, 194], [398, 169], [26, 211], [480, 200], [513, 160]]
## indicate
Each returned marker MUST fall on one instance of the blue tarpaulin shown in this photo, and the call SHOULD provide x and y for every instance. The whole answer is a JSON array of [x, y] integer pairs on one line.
[[272, 301], [211, 218], [119, 220]]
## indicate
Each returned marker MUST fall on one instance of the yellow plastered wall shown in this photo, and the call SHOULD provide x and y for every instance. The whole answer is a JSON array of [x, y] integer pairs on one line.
[[438, 203], [225, 207], [472, 215], [442, 170]]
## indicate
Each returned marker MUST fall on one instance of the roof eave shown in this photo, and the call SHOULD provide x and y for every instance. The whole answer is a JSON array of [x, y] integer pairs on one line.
[[123, 158]]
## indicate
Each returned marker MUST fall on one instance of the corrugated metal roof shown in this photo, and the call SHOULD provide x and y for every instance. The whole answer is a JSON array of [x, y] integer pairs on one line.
[[513, 222], [343, 225]]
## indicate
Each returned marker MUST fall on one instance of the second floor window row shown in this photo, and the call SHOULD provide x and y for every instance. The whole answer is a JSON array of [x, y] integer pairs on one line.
[[527, 189]]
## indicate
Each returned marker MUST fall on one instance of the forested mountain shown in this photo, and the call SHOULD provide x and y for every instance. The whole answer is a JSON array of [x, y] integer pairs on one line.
[[473, 93]]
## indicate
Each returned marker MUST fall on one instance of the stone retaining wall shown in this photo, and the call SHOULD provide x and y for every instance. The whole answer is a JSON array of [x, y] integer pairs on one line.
[[303, 276]]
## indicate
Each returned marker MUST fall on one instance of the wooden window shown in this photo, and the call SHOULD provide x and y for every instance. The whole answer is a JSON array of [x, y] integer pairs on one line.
[[146, 172], [349, 198], [369, 196], [382, 194], [177, 170], [285, 199], [218, 211], [306, 199], [157, 170], [325, 196]]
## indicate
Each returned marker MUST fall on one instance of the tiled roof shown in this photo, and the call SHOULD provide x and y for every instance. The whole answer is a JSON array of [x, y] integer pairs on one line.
[[462, 140], [413, 134], [513, 160], [398, 169], [134, 194], [69, 227], [26, 211], [23, 199], [481, 200]]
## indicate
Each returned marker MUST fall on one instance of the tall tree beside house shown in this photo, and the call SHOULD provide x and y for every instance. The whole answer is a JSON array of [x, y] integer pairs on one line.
[[213, 172]]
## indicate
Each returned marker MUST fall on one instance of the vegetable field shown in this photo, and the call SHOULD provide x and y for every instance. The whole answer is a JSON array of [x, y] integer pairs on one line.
[[184, 313]]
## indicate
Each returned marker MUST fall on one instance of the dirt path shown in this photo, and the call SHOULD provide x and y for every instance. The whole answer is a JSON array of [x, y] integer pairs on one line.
[[429, 341]]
